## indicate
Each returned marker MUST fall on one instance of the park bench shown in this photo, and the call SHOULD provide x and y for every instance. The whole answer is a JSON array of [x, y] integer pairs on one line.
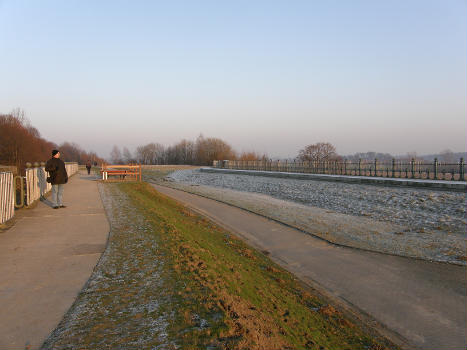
[[123, 172]]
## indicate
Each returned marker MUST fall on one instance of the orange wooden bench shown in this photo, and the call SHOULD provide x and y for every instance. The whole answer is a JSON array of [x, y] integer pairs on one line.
[[123, 171]]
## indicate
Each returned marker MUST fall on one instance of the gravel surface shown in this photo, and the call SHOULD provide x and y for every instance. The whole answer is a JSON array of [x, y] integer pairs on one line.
[[420, 223], [414, 208]]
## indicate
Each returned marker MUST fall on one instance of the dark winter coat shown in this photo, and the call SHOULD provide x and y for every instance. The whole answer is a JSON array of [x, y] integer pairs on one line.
[[57, 171]]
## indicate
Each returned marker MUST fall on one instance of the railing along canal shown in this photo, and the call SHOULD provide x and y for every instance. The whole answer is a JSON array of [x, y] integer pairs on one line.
[[394, 169]]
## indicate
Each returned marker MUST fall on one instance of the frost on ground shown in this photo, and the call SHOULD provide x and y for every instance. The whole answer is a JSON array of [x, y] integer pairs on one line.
[[127, 301], [409, 222]]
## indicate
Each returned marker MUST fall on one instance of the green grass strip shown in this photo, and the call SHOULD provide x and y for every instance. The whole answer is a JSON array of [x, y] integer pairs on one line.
[[231, 295]]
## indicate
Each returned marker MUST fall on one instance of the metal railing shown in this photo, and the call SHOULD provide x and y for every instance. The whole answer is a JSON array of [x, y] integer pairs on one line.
[[7, 197], [395, 169]]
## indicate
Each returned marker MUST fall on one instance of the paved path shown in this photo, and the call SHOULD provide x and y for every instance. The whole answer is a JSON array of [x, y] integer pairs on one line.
[[424, 303], [45, 260]]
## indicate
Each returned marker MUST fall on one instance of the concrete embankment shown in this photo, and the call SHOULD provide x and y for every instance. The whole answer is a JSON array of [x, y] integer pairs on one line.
[[460, 186]]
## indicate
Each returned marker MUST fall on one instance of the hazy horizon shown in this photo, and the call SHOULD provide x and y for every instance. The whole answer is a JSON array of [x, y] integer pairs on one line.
[[264, 76]]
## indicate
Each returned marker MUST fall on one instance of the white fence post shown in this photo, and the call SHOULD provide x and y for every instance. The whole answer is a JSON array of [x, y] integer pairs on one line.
[[7, 198]]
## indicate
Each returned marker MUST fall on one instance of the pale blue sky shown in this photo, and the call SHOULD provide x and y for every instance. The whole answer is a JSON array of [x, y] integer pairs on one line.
[[271, 76]]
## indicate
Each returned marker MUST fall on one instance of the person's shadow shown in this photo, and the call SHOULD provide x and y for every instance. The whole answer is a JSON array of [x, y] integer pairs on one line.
[[46, 201], [42, 184]]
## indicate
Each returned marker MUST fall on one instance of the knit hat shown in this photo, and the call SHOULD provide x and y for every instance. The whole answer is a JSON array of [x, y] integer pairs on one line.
[[54, 152]]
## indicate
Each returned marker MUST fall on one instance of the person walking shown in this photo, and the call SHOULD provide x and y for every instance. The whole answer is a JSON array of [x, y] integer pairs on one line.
[[58, 177], [88, 166]]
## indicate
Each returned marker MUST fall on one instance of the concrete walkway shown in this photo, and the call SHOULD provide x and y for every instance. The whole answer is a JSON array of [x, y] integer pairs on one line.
[[45, 260], [419, 303]]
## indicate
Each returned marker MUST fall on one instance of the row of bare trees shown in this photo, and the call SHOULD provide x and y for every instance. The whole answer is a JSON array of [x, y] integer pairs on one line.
[[202, 151], [20, 143], [324, 151]]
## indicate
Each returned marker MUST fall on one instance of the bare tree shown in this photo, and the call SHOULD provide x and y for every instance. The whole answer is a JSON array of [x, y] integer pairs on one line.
[[447, 156], [321, 151], [152, 153], [382, 157], [409, 156], [127, 156], [139, 153], [71, 152], [144, 154], [181, 153], [159, 153], [209, 149], [116, 155], [20, 115], [251, 155]]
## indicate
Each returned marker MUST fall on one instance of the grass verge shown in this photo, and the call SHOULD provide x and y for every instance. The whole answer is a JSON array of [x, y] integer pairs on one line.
[[232, 296]]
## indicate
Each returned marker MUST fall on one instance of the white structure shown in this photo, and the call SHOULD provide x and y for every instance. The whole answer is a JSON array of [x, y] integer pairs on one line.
[[7, 198]]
